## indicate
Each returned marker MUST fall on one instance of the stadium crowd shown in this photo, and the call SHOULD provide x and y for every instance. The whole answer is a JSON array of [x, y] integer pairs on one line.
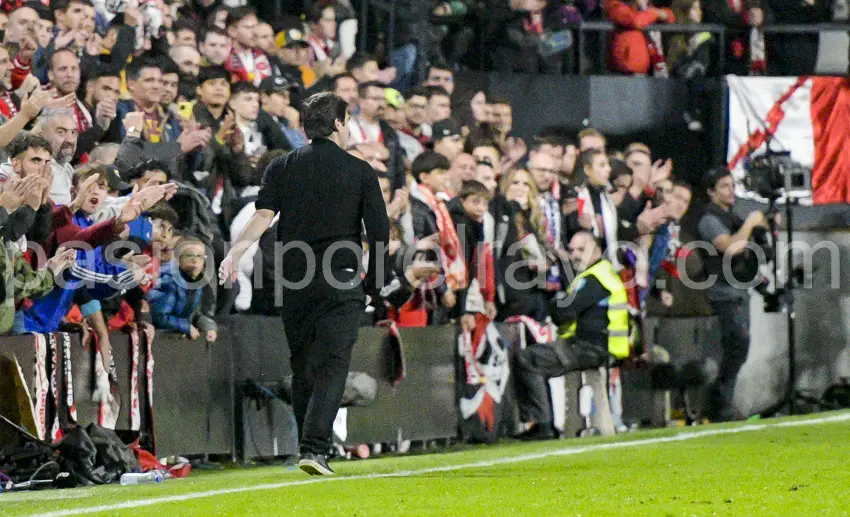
[[135, 137]]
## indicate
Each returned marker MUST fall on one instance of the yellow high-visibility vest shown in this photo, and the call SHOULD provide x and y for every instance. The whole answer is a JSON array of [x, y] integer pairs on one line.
[[619, 342]]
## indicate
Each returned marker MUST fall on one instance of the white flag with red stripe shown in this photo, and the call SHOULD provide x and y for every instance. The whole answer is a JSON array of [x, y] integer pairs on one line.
[[807, 116]]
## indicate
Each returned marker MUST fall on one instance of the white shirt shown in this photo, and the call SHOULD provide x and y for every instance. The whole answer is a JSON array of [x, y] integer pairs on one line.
[[362, 132], [63, 175]]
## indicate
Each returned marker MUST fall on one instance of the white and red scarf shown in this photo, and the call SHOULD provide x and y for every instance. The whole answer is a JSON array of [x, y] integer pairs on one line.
[[610, 222], [260, 69], [454, 263]]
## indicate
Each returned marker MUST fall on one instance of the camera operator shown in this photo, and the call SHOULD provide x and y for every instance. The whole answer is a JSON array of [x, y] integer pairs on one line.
[[729, 299]]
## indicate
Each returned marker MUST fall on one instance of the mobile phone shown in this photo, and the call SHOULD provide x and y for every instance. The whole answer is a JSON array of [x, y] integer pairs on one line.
[[184, 109]]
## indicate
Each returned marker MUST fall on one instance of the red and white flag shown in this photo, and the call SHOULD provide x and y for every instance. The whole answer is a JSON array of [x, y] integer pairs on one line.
[[808, 116]]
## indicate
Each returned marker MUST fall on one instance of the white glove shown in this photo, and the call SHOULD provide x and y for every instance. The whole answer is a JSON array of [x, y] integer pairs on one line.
[[102, 392]]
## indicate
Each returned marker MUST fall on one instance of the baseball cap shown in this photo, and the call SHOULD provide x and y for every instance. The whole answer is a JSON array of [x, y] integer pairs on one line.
[[114, 181], [276, 85], [394, 98], [290, 33], [444, 129]]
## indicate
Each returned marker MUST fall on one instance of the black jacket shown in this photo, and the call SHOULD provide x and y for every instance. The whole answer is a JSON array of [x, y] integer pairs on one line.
[[591, 318], [325, 196], [424, 219]]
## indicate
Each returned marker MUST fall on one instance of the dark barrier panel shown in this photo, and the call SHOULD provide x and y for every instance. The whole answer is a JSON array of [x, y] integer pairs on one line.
[[181, 395], [626, 109]]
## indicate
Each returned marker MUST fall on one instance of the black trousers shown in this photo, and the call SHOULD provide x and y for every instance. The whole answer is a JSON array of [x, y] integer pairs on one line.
[[734, 319], [536, 364], [321, 324]]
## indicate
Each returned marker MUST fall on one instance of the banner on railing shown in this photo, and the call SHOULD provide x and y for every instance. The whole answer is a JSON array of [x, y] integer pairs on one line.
[[807, 116]]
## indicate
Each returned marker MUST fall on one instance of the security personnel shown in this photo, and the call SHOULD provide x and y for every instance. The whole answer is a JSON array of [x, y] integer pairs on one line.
[[324, 197], [594, 324]]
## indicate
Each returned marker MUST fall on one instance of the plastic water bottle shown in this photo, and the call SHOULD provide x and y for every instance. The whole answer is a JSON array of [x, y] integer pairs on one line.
[[131, 478]]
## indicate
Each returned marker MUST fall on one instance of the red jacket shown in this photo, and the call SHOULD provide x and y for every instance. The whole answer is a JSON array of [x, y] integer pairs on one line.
[[629, 44]]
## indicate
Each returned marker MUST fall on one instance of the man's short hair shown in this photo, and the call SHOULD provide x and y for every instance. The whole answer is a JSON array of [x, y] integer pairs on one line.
[[169, 66], [61, 51], [418, 91], [637, 147], [237, 14], [539, 141], [363, 88], [500, 101], [182, 24], [242, 87], [473, 143], [25, 141], [104, 71], [436, 91], [138, 171], [618, 168], [102, 171], [682, 184], [135, 67], [474, 188], [440, 65], [163, 211], [585, 158], [358, 60], [320, 112], [98, 152], [62, 5], [591, 132], [427, 162], [341, 76], [713, 176], [215, 29], [209, 73]]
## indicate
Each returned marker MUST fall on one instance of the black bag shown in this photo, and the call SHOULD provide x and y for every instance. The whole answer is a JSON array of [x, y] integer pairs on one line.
[[112, 455], [29, 460], [78, 455]]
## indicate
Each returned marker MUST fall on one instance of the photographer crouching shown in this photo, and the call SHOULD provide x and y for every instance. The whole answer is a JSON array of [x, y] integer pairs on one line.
[[726, 234]]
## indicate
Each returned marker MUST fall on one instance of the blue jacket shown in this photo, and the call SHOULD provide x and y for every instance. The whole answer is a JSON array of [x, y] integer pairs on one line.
[[92, 272], [172, 302]]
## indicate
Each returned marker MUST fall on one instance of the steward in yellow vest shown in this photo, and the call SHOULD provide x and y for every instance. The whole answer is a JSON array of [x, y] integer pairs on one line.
[[593, 321]]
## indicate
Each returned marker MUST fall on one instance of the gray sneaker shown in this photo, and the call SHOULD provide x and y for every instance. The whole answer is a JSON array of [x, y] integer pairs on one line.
[[315, 464]]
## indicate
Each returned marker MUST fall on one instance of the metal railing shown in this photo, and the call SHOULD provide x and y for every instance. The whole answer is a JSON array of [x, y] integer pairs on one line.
[[583, 29]]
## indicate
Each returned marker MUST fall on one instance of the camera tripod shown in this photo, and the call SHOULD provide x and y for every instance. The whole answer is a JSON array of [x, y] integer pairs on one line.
[[782, 299]]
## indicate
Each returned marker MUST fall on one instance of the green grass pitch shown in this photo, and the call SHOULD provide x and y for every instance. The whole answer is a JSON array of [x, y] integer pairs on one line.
[[794, 467]]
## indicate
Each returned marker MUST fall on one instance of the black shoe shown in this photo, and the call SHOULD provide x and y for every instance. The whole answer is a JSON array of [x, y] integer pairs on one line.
[[315, 464], [538, 432]]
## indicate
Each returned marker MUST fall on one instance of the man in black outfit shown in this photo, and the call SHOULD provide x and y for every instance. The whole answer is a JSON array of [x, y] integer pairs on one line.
[[728, 293], [324, 196]]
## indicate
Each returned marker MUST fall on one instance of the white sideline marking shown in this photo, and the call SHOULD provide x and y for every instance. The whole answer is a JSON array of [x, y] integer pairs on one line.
[[448, 468]]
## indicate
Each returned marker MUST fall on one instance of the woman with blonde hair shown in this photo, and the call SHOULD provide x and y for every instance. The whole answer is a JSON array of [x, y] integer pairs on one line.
[[519, 248]]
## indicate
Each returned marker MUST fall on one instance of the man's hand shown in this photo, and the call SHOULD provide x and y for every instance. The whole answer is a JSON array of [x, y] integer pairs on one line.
[[130, 211], [135, 121], [666, 298], [194, 333], [63, 259], [229, 267], [14, 191], [84, 192], [66, 102], [642, 5], [29, 86], [35, 194], [104, 114], [420, 271], [399, 203], [65, 39], [47, 183], [94, 44], [149, 196], [292, 116], [651, 218], [194, 139], [102, 391], [467, 322], [449, 299], [661, 14], [212, 335], [756, 219], [490, 310], [35, 103], [661, 171]]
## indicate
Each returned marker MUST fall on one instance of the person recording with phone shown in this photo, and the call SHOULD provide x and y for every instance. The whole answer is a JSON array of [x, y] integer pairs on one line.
[[724, 234]]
